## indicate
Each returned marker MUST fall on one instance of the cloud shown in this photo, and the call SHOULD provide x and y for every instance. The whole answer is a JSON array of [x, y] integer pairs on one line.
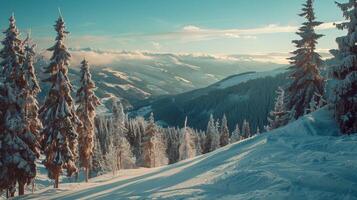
[[195, 33], [186, 34], [102, 58]]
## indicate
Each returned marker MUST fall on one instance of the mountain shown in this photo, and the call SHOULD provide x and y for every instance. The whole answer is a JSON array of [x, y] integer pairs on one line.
[[248, 96], [303, 160], [135, 76]]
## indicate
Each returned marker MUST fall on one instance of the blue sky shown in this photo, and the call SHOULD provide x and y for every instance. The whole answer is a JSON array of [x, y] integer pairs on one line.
[[180, 26]]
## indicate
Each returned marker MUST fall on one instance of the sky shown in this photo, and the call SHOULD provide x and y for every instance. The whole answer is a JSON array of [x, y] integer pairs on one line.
[[173, 26]]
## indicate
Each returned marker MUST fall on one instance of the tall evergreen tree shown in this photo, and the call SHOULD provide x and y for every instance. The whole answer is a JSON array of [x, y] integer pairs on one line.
[[148, 143], [306, 79], [235, 137], [212, 136], [58, 113], [87, 102], [224, 137], [246, 129], [345, 74], [279, 116], [187, 147], [18, 137]]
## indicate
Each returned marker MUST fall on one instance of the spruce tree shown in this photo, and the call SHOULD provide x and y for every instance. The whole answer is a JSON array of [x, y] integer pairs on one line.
[[235, 137], [212, 136], [87, 102], [345, 74], [224, 137], [58, 113], [279, 116], [187, 147], [305, 74], [19, 145], [148, 143], [246, 129]]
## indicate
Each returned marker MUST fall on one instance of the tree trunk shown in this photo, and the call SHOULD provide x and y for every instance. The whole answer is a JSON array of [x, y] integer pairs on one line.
[[33, 186], [120, 166], [86, 170], [21, 188], [56, 181], [7, 193], [12, 193], [76, 176]]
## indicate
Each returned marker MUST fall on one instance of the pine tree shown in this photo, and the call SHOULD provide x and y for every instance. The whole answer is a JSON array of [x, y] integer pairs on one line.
[[212, 136], [148, 143], [97, 161], [187, 147], [246, 129], [224, 138], [306, 79], [345, 74], [316, 103], [58, 113], [118, 114], [87, 102], [19, 145], [123, 153], [235, 137], [279, 116]]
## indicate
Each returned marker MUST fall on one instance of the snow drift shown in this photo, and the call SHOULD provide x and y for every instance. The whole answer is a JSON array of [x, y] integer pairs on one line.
[[304, 160]]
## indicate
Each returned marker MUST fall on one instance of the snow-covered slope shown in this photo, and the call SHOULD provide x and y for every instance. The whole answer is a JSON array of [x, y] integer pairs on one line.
[[247, 96], [304, 160]]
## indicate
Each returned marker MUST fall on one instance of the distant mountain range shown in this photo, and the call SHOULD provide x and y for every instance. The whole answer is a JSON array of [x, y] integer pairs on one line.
[[136, 76], [248, 96]]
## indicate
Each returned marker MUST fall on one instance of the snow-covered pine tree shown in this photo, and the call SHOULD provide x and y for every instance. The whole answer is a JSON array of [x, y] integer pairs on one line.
[[118, 132], [209, 134], [279, 116], [160, 148], [148, 144], [87, 102], [235, 137], [187, 147], [212, 136], [97, 161], [246, 129], [224, 137], [58, 113], [19, 145], [317, 102], [118, 114], [305, 74], [173, 144], [345, 74]]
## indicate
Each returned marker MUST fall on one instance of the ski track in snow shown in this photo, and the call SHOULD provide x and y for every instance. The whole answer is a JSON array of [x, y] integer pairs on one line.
[[304, 160]]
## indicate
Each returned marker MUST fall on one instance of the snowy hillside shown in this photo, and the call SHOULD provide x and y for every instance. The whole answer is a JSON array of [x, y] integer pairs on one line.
[[304, 160], [135, 76], [248, 96]]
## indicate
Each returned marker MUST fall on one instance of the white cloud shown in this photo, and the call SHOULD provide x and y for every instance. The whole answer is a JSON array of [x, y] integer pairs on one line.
[[102, 58], [191, 32], [191, 28]]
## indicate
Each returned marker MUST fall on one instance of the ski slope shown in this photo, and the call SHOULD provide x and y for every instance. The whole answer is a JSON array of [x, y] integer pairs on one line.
[[304, 160]]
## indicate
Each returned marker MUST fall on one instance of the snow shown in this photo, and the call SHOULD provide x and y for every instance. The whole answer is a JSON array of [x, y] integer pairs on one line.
[[118, 74], [241, 78], [182, 80], [304, 160]]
